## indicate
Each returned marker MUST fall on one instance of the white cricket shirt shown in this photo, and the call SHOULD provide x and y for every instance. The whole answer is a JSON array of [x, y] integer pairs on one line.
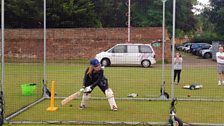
[[221, 61]]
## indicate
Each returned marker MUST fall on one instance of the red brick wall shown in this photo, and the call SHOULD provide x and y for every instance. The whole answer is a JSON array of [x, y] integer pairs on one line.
[[75, 43], [181, 40]]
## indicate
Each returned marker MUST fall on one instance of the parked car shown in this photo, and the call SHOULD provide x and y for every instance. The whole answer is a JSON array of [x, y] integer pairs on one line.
[[197, 46], [177, 46], [128, 54], [206, 53], [187, 47], [202, 48], [181, 47]]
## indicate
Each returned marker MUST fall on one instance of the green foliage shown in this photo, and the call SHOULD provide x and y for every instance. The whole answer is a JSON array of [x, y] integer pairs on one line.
[[180, 33], [207, 37], [20, 13], [147, 13], [215, 15], [67, 13], [112, 13], [185, 19], [71, 13], [97, 13], [210, 23]]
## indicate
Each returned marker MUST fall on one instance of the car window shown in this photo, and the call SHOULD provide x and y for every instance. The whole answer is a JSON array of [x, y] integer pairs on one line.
[[119, 49], [194, 46], [132, 49], [207, 46], [185, 44], [145, 49]]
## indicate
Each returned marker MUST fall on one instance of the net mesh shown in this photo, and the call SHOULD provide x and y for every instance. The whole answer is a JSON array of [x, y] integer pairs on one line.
[[76, 32]]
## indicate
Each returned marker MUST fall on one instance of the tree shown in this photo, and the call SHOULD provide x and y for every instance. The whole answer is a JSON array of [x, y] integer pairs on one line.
[[147, 13], [216, 15], [185, 19], [112, 13], [97, 13], [72, 13], [23, 14], [60, 13]]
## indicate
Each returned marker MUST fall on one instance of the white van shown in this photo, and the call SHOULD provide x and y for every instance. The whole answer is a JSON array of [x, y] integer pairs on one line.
[[128, 54]]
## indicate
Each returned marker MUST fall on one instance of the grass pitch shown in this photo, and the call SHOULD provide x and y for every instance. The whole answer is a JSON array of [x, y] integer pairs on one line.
[[123, 80]]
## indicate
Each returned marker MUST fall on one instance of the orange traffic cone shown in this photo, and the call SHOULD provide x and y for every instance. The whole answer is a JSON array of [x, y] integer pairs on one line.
[[52, 108]]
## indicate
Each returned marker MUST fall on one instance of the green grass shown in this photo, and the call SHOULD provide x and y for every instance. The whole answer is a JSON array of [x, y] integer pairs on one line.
[[123, 80], [129, 111]]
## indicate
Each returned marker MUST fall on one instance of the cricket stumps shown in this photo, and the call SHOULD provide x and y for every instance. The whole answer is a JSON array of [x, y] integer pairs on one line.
[[52, 108]]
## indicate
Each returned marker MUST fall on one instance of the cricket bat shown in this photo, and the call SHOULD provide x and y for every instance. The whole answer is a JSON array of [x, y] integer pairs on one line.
[[70, 98]]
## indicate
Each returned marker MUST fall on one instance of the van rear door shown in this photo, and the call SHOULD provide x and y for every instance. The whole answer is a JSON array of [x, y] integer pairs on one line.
[[146, 52]]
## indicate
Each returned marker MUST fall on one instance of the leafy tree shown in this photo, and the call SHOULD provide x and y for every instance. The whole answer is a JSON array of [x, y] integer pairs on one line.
[[206, 36], [215, 14], [72, 13], [23, 14], [112, 13], [147, 13], [185, 19], [97, 13], [60, 13]]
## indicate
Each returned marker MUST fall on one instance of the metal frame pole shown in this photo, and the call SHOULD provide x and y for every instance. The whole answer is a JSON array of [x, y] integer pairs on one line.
[[3, 44], [45, 48], [173, 46], [129, 20], [163, 48]]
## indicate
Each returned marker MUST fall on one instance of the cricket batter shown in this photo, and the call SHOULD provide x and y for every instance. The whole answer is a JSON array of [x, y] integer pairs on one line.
[[93, 77]]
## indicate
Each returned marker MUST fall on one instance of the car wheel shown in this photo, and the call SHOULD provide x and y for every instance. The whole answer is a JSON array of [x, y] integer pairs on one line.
[[208, 55], [105, 62], [146, 63]]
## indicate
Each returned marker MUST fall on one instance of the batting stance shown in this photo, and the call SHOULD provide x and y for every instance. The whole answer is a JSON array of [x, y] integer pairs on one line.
[[93, 77]]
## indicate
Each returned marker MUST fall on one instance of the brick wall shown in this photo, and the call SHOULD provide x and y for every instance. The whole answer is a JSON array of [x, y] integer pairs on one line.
[[181, 40], [75, 43]]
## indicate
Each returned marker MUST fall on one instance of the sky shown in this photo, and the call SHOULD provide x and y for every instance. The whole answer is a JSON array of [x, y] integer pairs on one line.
[[204, 1], [199, 7]]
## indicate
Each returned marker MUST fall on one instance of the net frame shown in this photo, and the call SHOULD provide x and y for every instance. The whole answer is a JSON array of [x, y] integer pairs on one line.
[[45, 96]]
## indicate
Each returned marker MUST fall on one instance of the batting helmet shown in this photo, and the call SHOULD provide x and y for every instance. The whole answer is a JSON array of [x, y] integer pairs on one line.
[[94, 62]]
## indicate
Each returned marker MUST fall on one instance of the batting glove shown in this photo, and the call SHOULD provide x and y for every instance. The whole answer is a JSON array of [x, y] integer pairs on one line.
[[82, 89], [87, 89]]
